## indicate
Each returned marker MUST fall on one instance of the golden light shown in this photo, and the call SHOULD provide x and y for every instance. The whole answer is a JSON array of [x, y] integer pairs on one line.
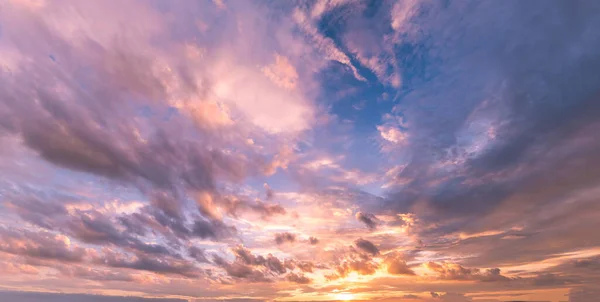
[[344, 297]]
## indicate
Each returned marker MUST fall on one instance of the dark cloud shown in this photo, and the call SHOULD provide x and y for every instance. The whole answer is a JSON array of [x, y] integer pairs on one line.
[[95, 274], [198, 254], [451, 297], [489, 130], [213, 229], [42, 245], [36, 209], [163, 265], [245, 256], [96, 228], [368, 219], [550, 279], [269, 193], [584, 294], [313, 240], [272, 263], [305, 266], [275, 265], [241, 270], [453, 271], [300, 279], [367, 246], [281, 238], [590, 263], [267, 210], [110, 121]]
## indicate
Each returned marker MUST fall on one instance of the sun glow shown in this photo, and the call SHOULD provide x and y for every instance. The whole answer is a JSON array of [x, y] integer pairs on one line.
[[344, 297]]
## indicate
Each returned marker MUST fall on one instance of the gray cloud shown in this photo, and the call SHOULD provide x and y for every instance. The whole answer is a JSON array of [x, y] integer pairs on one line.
[[453, 271], [241, 270], [163, 265], [366, 246], [368, 219], [300, 279], [281, 238], [39, 245]]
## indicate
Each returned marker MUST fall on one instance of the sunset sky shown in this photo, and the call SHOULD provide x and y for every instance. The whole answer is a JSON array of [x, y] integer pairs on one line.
[[328, 150]]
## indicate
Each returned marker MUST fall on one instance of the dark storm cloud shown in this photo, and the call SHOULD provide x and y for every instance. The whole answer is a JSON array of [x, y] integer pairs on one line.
[[281, 238], [313, 240], [367, 246]]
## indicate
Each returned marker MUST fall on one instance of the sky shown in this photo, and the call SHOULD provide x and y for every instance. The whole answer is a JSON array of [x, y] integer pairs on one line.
[[326, 150]]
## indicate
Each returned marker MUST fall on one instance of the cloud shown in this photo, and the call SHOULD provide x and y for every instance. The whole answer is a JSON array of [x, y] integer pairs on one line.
[[268, 192], [453, 271], [366, 246], [583, 294], [396, 265], [282, 73], [240, 270], [163, 265], [362, 267], [41, 245], [198, 254], [63, 297], [368, 219], [281, 238], [549, 279], [95, 274], [300, 279], [138, 146], [270, 262]]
